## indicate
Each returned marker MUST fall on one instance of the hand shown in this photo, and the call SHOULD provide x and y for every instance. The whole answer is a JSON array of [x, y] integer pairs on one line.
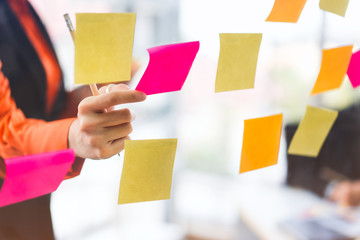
[[347, 193], [98, 133]]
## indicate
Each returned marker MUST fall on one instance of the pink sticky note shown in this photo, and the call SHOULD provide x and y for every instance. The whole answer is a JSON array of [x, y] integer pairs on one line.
[[168, 67], [34, 175], [353, 71]]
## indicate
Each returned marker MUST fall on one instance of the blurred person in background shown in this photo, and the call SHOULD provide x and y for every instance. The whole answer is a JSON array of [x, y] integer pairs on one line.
[[37, 115], [335, 173]]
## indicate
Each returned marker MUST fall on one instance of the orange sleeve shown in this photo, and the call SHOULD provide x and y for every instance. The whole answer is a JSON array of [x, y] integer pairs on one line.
[[21, 136]]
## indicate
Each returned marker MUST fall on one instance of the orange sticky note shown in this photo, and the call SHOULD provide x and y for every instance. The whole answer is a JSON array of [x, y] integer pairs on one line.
[[334, 65], [261, 142], [286, 11]]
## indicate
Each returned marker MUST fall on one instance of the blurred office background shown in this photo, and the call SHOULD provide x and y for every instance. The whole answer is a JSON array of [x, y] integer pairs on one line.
[[209, 199]]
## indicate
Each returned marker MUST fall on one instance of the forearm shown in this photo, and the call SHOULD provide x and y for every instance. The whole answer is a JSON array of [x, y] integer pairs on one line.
[[30, 136]]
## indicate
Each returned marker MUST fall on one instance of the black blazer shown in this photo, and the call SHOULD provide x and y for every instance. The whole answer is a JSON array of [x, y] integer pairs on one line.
[[23, 68]]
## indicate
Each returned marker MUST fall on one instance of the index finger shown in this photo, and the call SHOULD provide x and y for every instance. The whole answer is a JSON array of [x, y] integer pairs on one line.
[[104, 101]]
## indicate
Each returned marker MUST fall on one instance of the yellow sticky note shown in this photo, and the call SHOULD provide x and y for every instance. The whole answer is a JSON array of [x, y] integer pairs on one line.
[[103, 47], [286, 11], [147, 170], [261, 142], [237, 61], [312, 131], [338, 7], [333, 69]]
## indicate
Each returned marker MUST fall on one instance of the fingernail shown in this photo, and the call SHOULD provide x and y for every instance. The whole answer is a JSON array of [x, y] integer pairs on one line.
[[124, 86], [107, 89], [142, 96], [133, 115]]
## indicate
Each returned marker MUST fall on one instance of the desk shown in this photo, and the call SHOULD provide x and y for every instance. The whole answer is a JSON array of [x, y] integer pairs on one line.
[[262, 207]]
